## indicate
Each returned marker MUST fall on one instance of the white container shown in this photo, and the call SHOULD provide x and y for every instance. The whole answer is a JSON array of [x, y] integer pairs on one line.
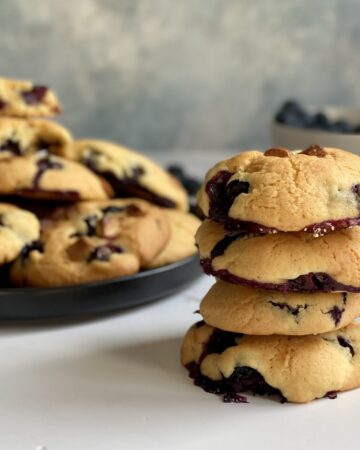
[[299, 138]]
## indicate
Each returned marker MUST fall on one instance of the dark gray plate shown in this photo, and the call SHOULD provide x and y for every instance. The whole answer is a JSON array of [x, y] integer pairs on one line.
[[100, 297]]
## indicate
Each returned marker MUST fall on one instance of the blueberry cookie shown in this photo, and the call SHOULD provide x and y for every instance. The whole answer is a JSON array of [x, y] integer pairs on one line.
[[299, 369], [25, 99], [282, 261], [129, 173], [316, 190], [182, 240], [22, 137], [242, 309], [17, 229], [111, 239], [48, 177]]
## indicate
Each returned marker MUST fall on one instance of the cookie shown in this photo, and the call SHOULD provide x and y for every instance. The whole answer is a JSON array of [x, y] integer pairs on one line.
[[182, 240], [298, 368], [315, 190], [107, 240], [48, 177], [22, 137], [241, 309], [18, 228], [129, 173], [21, 98], [282, 261]]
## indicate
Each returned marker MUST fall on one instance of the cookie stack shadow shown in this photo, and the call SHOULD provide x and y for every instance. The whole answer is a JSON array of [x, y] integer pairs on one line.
[[281, 237]]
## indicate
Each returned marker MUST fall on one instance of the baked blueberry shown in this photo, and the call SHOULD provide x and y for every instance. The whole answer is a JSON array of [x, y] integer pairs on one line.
[[296, 369]]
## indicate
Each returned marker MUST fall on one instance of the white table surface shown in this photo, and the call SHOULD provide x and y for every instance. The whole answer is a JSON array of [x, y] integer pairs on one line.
[[116, 383]]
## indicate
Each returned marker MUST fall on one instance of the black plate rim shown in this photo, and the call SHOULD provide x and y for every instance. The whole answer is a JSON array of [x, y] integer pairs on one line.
[[118, 280]]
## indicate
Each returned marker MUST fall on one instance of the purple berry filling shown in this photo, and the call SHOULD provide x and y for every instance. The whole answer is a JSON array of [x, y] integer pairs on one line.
[[336, 314], [46, 195], [2, 104], [28, 248], [44, 164], [91, 222], [293, 310], [34, 95], [332, 395], [114, 209], [310, 282], [104, 252], [222, 195], [345, 343], [243, 378], [223, 244], [11, 146], [128, 186]]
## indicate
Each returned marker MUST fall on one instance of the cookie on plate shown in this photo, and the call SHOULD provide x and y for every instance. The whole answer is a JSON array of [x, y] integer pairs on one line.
[[182, 240], [20, 137], [18, 228], [282, 261], [110, 240], [48, 177], [298, 368], [20, 98], [242, 309], [315, 190], [130, 173]]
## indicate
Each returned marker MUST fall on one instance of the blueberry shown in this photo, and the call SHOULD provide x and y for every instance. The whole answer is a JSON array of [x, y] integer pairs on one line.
[[292, 113], [104, 252], [176, 170], [191, 185], [11, 146], [319, 121], [342, 126]]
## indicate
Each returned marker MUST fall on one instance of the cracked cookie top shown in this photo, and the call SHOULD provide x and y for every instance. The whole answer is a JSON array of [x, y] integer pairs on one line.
[[130, 173], [298, 368], [99, 240], [315, 190], [20, 98], [242, 309], [282, 261]]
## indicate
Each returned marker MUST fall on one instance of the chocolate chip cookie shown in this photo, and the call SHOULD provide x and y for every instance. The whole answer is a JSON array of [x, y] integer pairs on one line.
[[282, 261], [242, 309], [315, 190], [22, 137], [107, 240], [48, 177], [21, 98], [296, 368], [129, 173]]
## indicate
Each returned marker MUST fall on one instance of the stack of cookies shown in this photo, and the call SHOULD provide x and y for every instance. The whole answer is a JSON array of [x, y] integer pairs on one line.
[[281, 236], [74, 211]]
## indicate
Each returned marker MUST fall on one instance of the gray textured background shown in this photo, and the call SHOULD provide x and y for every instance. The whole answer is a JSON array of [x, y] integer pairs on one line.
[[165, 74]]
